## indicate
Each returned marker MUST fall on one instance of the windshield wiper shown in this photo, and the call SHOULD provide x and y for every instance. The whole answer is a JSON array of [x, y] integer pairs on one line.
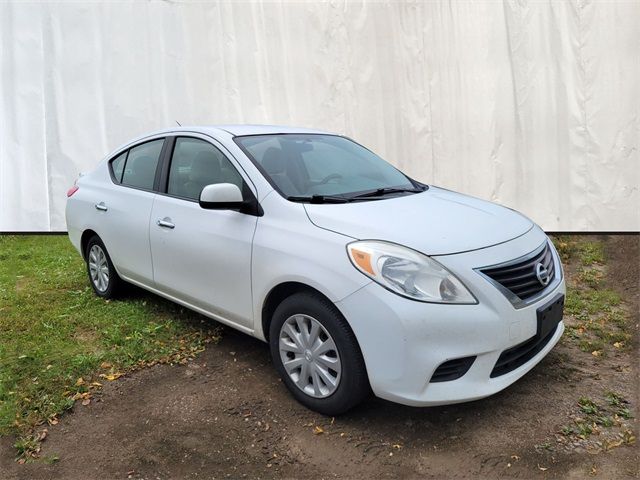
[[379, 192], [319, 199]]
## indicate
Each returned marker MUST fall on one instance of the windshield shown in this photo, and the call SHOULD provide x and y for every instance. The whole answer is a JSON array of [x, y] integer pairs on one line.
[[312, 165]]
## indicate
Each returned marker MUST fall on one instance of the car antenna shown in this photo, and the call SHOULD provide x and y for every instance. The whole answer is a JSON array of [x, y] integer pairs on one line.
[[178, 123]]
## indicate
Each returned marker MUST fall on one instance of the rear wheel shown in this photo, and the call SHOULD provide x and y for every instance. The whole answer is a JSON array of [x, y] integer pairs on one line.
[[317, 355], [102, 274]]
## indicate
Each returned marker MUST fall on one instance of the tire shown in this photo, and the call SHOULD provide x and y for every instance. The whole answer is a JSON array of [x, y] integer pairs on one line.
[[105, 286], [330, 387]]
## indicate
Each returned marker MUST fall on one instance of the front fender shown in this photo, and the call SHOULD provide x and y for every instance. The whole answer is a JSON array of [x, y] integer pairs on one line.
[[287, 247]]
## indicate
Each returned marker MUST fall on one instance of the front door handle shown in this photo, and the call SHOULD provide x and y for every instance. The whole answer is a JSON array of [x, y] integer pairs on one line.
[[165, 223], [101, 206]]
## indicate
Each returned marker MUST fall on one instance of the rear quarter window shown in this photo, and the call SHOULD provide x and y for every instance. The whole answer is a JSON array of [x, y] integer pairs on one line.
[[117, 166]]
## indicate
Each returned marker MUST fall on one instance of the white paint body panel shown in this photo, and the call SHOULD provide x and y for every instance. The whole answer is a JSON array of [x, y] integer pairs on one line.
[[206, 259], [434, 222], [224, 264]]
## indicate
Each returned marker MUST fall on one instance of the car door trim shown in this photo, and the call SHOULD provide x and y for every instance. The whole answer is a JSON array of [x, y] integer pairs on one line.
[[167, 155], [127, 149]]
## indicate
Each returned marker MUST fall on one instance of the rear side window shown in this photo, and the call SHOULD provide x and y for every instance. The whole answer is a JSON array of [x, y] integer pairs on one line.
[[117, 166], [140, 165], [196, 164]]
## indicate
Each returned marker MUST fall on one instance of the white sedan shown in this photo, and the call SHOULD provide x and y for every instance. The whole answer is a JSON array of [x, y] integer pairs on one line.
[[360, 278]]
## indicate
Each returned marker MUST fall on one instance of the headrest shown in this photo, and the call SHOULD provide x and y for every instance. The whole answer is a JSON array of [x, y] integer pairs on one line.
[[143, 164], [205, 168]]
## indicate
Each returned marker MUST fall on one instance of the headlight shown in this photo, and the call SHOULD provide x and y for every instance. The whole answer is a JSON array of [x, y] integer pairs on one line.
[[408, 273]]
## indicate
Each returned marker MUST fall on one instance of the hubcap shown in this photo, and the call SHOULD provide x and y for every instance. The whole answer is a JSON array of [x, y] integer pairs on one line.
[[98, 268], [310, 356]]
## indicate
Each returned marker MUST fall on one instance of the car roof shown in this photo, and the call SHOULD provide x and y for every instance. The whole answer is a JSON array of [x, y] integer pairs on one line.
[[216, 131], [239, 130]]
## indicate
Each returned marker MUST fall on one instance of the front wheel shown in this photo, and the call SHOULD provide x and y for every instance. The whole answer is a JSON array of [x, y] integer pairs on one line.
[[102, 274], [317, 355]]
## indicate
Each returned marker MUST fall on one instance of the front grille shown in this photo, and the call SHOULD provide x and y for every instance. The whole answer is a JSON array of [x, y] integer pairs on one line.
[[452, 369], [520, 354], [521, 277]]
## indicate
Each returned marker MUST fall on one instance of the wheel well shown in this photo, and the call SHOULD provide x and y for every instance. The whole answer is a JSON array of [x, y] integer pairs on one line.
[[86, 235], [277, 295]]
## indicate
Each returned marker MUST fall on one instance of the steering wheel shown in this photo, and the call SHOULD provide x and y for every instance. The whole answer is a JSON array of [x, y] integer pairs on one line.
[[328, 178]]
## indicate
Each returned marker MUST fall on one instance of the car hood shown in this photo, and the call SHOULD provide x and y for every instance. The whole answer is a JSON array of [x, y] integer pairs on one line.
[[434, 222]]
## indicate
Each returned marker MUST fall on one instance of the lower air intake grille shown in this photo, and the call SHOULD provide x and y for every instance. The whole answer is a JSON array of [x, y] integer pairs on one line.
[[520, 354], [452, 369], [528, 277]]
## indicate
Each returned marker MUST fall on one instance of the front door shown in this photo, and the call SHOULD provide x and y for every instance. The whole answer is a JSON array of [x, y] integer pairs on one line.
[[202, 257]]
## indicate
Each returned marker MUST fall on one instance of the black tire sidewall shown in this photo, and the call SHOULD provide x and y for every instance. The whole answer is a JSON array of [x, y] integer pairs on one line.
[[113, 275], [354, 383]]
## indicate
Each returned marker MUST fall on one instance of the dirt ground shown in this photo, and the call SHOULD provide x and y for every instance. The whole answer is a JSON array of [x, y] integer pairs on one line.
[[226, 414]]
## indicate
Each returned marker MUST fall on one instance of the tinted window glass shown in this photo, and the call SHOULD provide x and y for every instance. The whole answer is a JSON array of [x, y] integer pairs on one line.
[[306, 165], [196, 164], [117, 166], [140, 168]]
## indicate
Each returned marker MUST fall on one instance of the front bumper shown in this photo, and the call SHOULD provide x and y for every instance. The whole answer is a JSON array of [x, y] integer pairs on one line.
[[404, 341]]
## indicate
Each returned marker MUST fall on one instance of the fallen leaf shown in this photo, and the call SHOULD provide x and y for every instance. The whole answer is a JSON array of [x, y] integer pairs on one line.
[[544, 469], [608, 445], [79, 382], [86, 401], [618, 344], [596, 353], [105, 365], [317, 430], [79, 396], [111, 377]]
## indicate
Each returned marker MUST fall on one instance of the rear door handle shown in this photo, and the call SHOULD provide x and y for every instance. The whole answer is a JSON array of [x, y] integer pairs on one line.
[[101, 206], [165, 223]]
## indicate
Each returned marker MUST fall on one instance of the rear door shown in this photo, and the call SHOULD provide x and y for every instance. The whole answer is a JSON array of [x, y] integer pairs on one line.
[[202, 257], [124, 209]]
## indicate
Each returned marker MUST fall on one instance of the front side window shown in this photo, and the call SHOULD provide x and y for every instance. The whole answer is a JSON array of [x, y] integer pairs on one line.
[[140, 165], [302, 166], [194, 165]]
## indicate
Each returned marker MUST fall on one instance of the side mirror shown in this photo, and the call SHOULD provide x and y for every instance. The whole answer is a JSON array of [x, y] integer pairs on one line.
[[221, 196]]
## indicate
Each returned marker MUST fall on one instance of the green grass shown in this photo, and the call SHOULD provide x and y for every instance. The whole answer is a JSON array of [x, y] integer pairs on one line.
[[56, 335], [595, 417], [594, 315], [588, 252]]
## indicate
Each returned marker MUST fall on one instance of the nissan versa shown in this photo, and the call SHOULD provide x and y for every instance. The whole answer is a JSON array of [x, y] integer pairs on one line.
[[360, 278]]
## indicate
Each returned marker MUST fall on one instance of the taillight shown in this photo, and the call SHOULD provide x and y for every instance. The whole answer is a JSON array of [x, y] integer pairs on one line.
[[72, 190]]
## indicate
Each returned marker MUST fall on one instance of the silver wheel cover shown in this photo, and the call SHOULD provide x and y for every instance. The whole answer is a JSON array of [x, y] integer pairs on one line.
[[309, 356], [98, 268]]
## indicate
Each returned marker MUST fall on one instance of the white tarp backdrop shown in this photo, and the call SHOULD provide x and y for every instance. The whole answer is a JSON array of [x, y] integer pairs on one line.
[[532, 104]]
